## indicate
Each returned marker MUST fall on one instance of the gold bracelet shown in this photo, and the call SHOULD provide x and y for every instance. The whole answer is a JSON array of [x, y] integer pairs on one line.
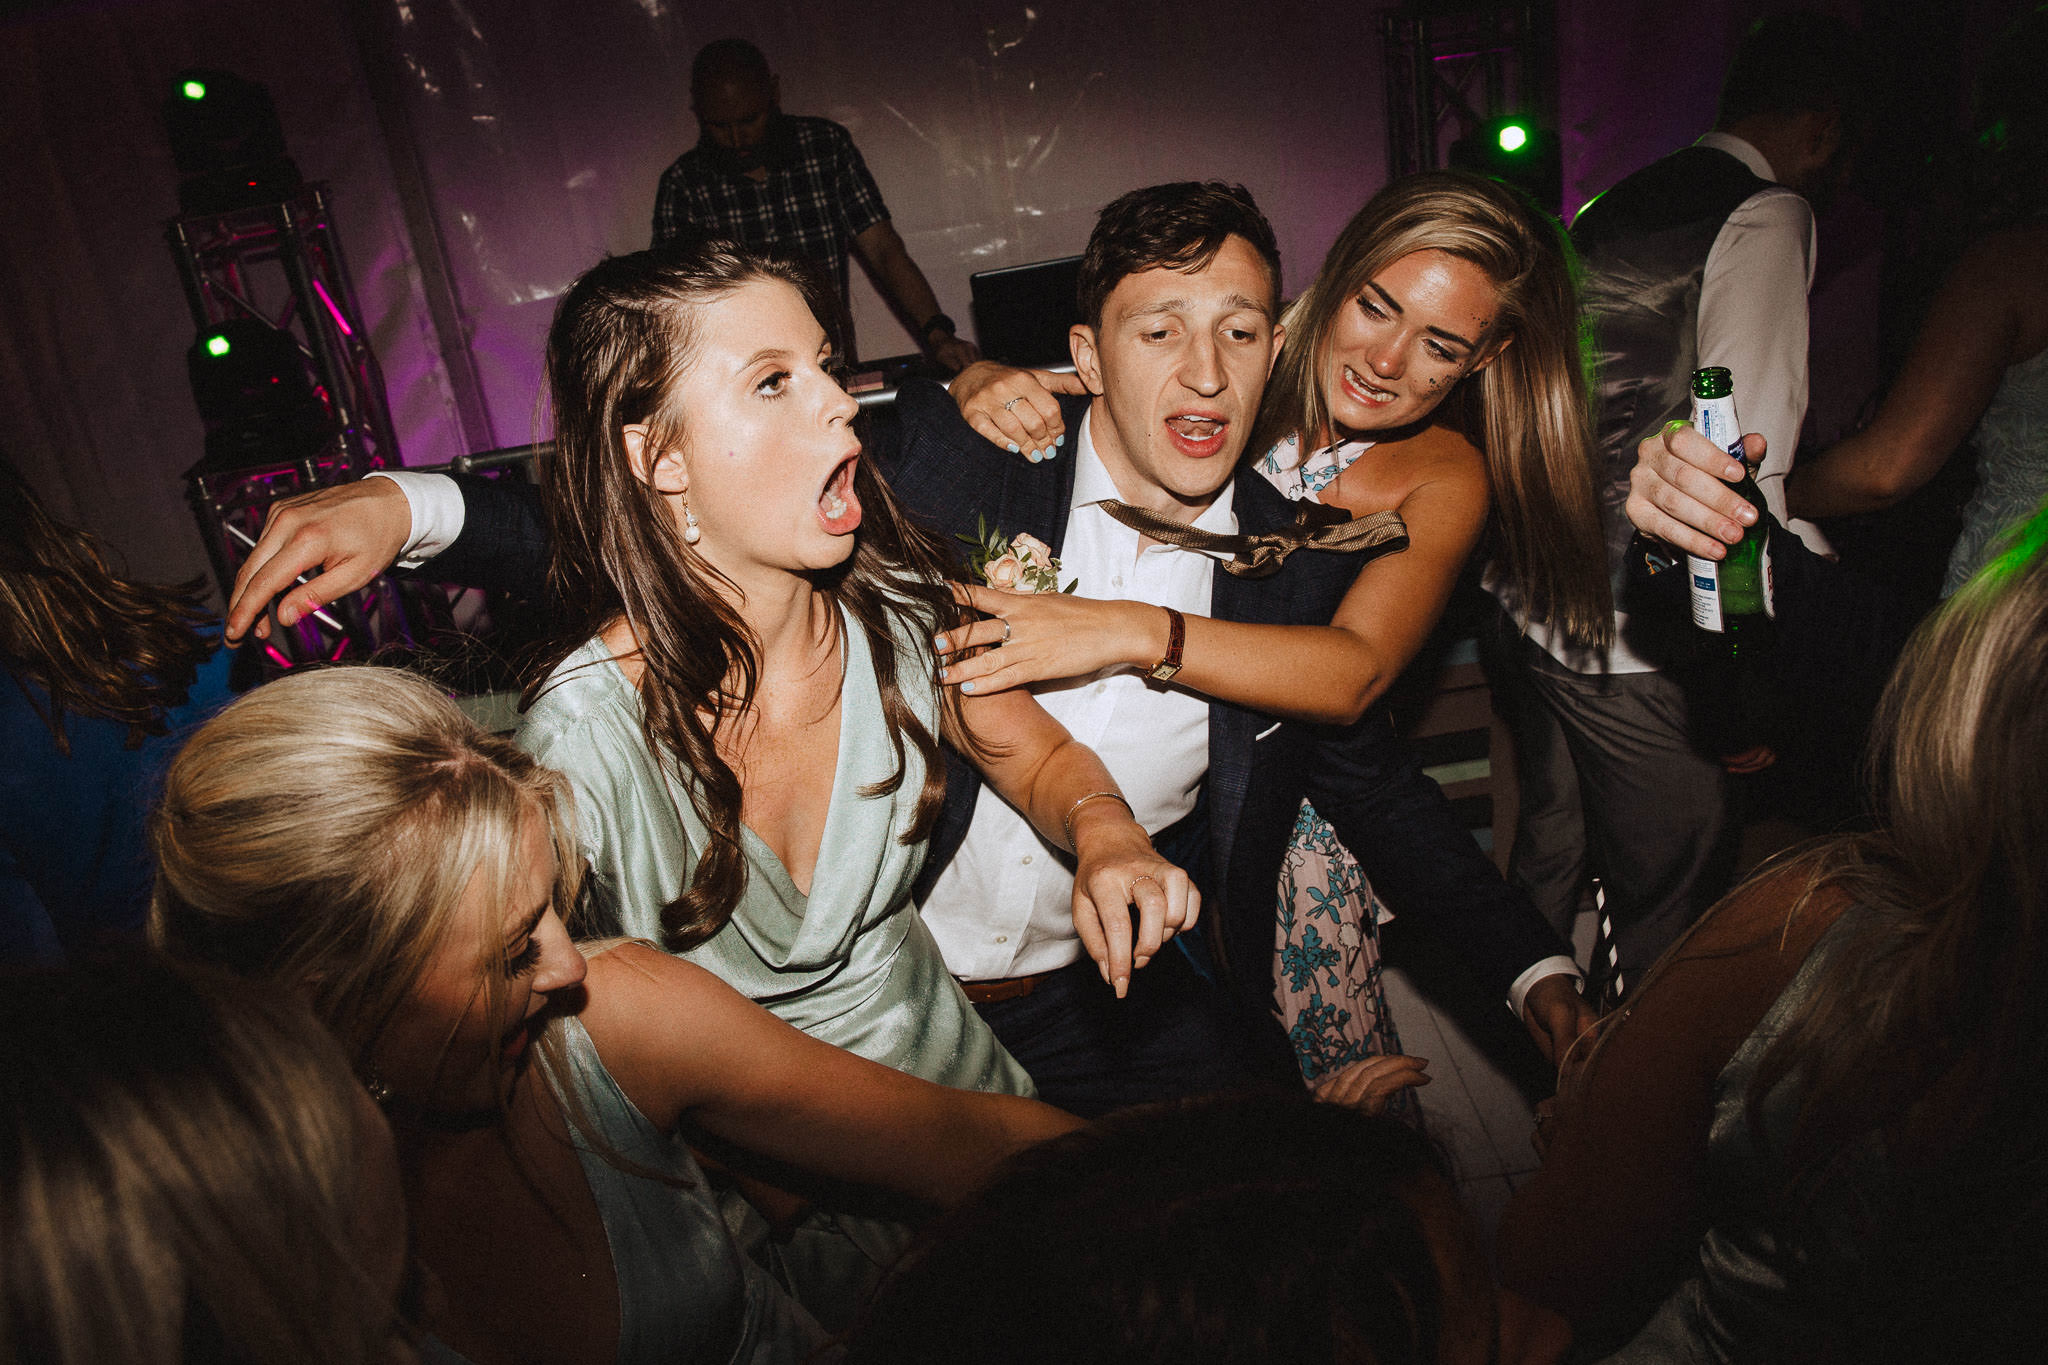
[[1067, 820]]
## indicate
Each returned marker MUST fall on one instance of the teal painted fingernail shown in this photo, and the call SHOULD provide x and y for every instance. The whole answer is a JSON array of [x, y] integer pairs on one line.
[[1013, 448], [942, 675], [939, 643], [967, 687], [1035, 456], [1060, 439]]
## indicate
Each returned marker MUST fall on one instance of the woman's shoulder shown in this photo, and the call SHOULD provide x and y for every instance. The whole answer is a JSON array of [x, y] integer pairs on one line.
[[1435, 457], [1782, 911], [584, 715]]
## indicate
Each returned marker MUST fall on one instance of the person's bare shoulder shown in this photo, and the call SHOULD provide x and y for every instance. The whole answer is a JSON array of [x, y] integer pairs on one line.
[[1435, 456], [2009, 269]]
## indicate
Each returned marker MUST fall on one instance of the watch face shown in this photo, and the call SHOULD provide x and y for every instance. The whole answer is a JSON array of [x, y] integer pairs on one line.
[[1164, 672]]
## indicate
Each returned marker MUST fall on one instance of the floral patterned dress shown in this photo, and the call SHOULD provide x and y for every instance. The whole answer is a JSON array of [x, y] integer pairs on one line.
[[1327, 987]]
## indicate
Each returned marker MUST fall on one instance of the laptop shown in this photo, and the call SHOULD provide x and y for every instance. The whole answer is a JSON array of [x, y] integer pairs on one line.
[[1022, 312]]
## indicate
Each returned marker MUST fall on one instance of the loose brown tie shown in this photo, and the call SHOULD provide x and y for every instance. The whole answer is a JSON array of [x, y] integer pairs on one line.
[[1316, 525]]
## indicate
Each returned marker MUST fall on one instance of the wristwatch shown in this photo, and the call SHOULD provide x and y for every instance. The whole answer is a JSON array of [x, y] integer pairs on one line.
[[936, 321], [1176, 636]]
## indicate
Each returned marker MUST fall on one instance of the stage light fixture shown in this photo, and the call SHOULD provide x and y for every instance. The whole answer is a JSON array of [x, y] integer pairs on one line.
[[249, 380], [1517, 151], [227, 142]]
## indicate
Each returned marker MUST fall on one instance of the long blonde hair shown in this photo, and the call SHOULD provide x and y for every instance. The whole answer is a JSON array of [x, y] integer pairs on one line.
[[321, 830], [1527, 411], [180, 1175], [1927, 1030]]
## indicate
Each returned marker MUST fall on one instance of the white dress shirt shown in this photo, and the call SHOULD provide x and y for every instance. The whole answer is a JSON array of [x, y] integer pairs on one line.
[[1752, 320], [1004, 905]]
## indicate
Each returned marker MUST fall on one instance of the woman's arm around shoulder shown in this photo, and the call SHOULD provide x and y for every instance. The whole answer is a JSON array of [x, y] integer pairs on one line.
[[681, 1043], [1321, 673]]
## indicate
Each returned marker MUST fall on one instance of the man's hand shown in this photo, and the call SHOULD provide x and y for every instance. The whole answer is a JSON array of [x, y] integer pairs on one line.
[[351, 533], [1556, 1014], [1679, 491], [1115, 869], [956, 354], [1015, 408]]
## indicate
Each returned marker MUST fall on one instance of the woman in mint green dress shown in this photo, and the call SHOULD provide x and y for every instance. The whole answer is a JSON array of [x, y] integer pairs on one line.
[[745, 708]]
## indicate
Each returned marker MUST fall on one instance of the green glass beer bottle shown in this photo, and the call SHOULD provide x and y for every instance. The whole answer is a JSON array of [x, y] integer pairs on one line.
[[1731, 597]]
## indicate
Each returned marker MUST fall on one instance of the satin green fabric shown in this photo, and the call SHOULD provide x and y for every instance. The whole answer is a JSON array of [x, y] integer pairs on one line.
[[851, 963]]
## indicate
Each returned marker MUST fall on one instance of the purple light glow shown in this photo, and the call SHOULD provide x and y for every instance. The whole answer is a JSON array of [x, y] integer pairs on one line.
[[339, 320]]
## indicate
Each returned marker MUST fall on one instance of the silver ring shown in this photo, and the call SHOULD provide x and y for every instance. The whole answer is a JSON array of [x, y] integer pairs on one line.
[[1006, 631], [1135, 880], [1013, 402]]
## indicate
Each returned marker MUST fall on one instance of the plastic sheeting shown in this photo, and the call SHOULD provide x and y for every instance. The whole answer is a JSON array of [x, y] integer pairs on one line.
[[536, 131], [994, 130]]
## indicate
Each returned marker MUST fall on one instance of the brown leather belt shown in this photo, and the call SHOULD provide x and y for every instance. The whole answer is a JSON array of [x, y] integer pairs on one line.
[[1002, 988]]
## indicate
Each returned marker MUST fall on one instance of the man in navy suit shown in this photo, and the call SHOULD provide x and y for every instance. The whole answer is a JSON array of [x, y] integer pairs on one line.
[[1180, 289]]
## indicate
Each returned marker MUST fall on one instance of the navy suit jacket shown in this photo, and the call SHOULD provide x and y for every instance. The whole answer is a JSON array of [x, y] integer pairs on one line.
[[1363, 778]]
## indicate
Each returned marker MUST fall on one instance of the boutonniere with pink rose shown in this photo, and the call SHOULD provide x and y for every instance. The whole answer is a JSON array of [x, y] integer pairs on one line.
[[1018, 563]]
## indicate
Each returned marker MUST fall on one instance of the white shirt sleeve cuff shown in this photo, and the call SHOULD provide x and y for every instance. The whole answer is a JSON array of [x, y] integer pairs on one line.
[[437, 513], [1549, 966]]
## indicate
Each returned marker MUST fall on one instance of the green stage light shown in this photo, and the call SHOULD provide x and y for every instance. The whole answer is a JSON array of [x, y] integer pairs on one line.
[[194, 90], [1513, 137], [217, 345]]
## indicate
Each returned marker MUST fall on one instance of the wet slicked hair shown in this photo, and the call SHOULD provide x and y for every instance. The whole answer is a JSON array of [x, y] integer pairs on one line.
[[1255, 1230], [1181, 226]]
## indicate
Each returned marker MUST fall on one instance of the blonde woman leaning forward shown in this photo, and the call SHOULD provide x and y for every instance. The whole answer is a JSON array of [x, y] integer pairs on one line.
[[350, 834]]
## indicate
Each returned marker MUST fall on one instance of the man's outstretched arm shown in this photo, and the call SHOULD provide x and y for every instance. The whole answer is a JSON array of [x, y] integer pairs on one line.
[[479, 532]]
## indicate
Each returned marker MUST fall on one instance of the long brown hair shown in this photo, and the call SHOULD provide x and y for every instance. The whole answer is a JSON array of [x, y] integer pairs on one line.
[[97, 644], [1527, 411], [1926, 1031], [622, 338]]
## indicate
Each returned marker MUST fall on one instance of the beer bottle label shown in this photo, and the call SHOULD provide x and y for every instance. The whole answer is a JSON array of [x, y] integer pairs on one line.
[[1703, 577]]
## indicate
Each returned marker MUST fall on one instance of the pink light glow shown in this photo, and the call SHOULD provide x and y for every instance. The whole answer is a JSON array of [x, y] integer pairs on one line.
[[339, 650], [276, 657], [339, 320]]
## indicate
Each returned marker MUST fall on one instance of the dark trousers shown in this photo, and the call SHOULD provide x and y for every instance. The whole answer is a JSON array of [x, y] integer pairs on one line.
[[1174, 1034], [1611, 781]]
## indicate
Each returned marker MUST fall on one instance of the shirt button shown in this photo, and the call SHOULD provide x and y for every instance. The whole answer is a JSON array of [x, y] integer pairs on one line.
[[1002, 938], [1117, 582], [1102, 687], [1027, 860]]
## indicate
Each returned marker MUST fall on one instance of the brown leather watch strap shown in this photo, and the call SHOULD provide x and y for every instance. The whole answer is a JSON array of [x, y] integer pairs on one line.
[[1176, 638]]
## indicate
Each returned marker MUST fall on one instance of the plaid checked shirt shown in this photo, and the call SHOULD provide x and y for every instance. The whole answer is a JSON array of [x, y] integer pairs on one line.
[[810, 210]]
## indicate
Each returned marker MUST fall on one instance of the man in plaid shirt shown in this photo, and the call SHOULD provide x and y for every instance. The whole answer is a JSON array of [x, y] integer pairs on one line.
[[793, 187]]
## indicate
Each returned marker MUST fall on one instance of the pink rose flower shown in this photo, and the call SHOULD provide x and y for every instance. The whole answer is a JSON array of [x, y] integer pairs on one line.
[[1033, 550], [1004, 572]]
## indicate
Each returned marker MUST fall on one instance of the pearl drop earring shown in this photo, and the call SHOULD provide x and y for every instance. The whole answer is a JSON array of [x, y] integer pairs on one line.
[[691, 532]]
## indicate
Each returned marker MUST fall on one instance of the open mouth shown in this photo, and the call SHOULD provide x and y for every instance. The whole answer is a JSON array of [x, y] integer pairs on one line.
[[1197, 434], [1364, 391], [838, 504]]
